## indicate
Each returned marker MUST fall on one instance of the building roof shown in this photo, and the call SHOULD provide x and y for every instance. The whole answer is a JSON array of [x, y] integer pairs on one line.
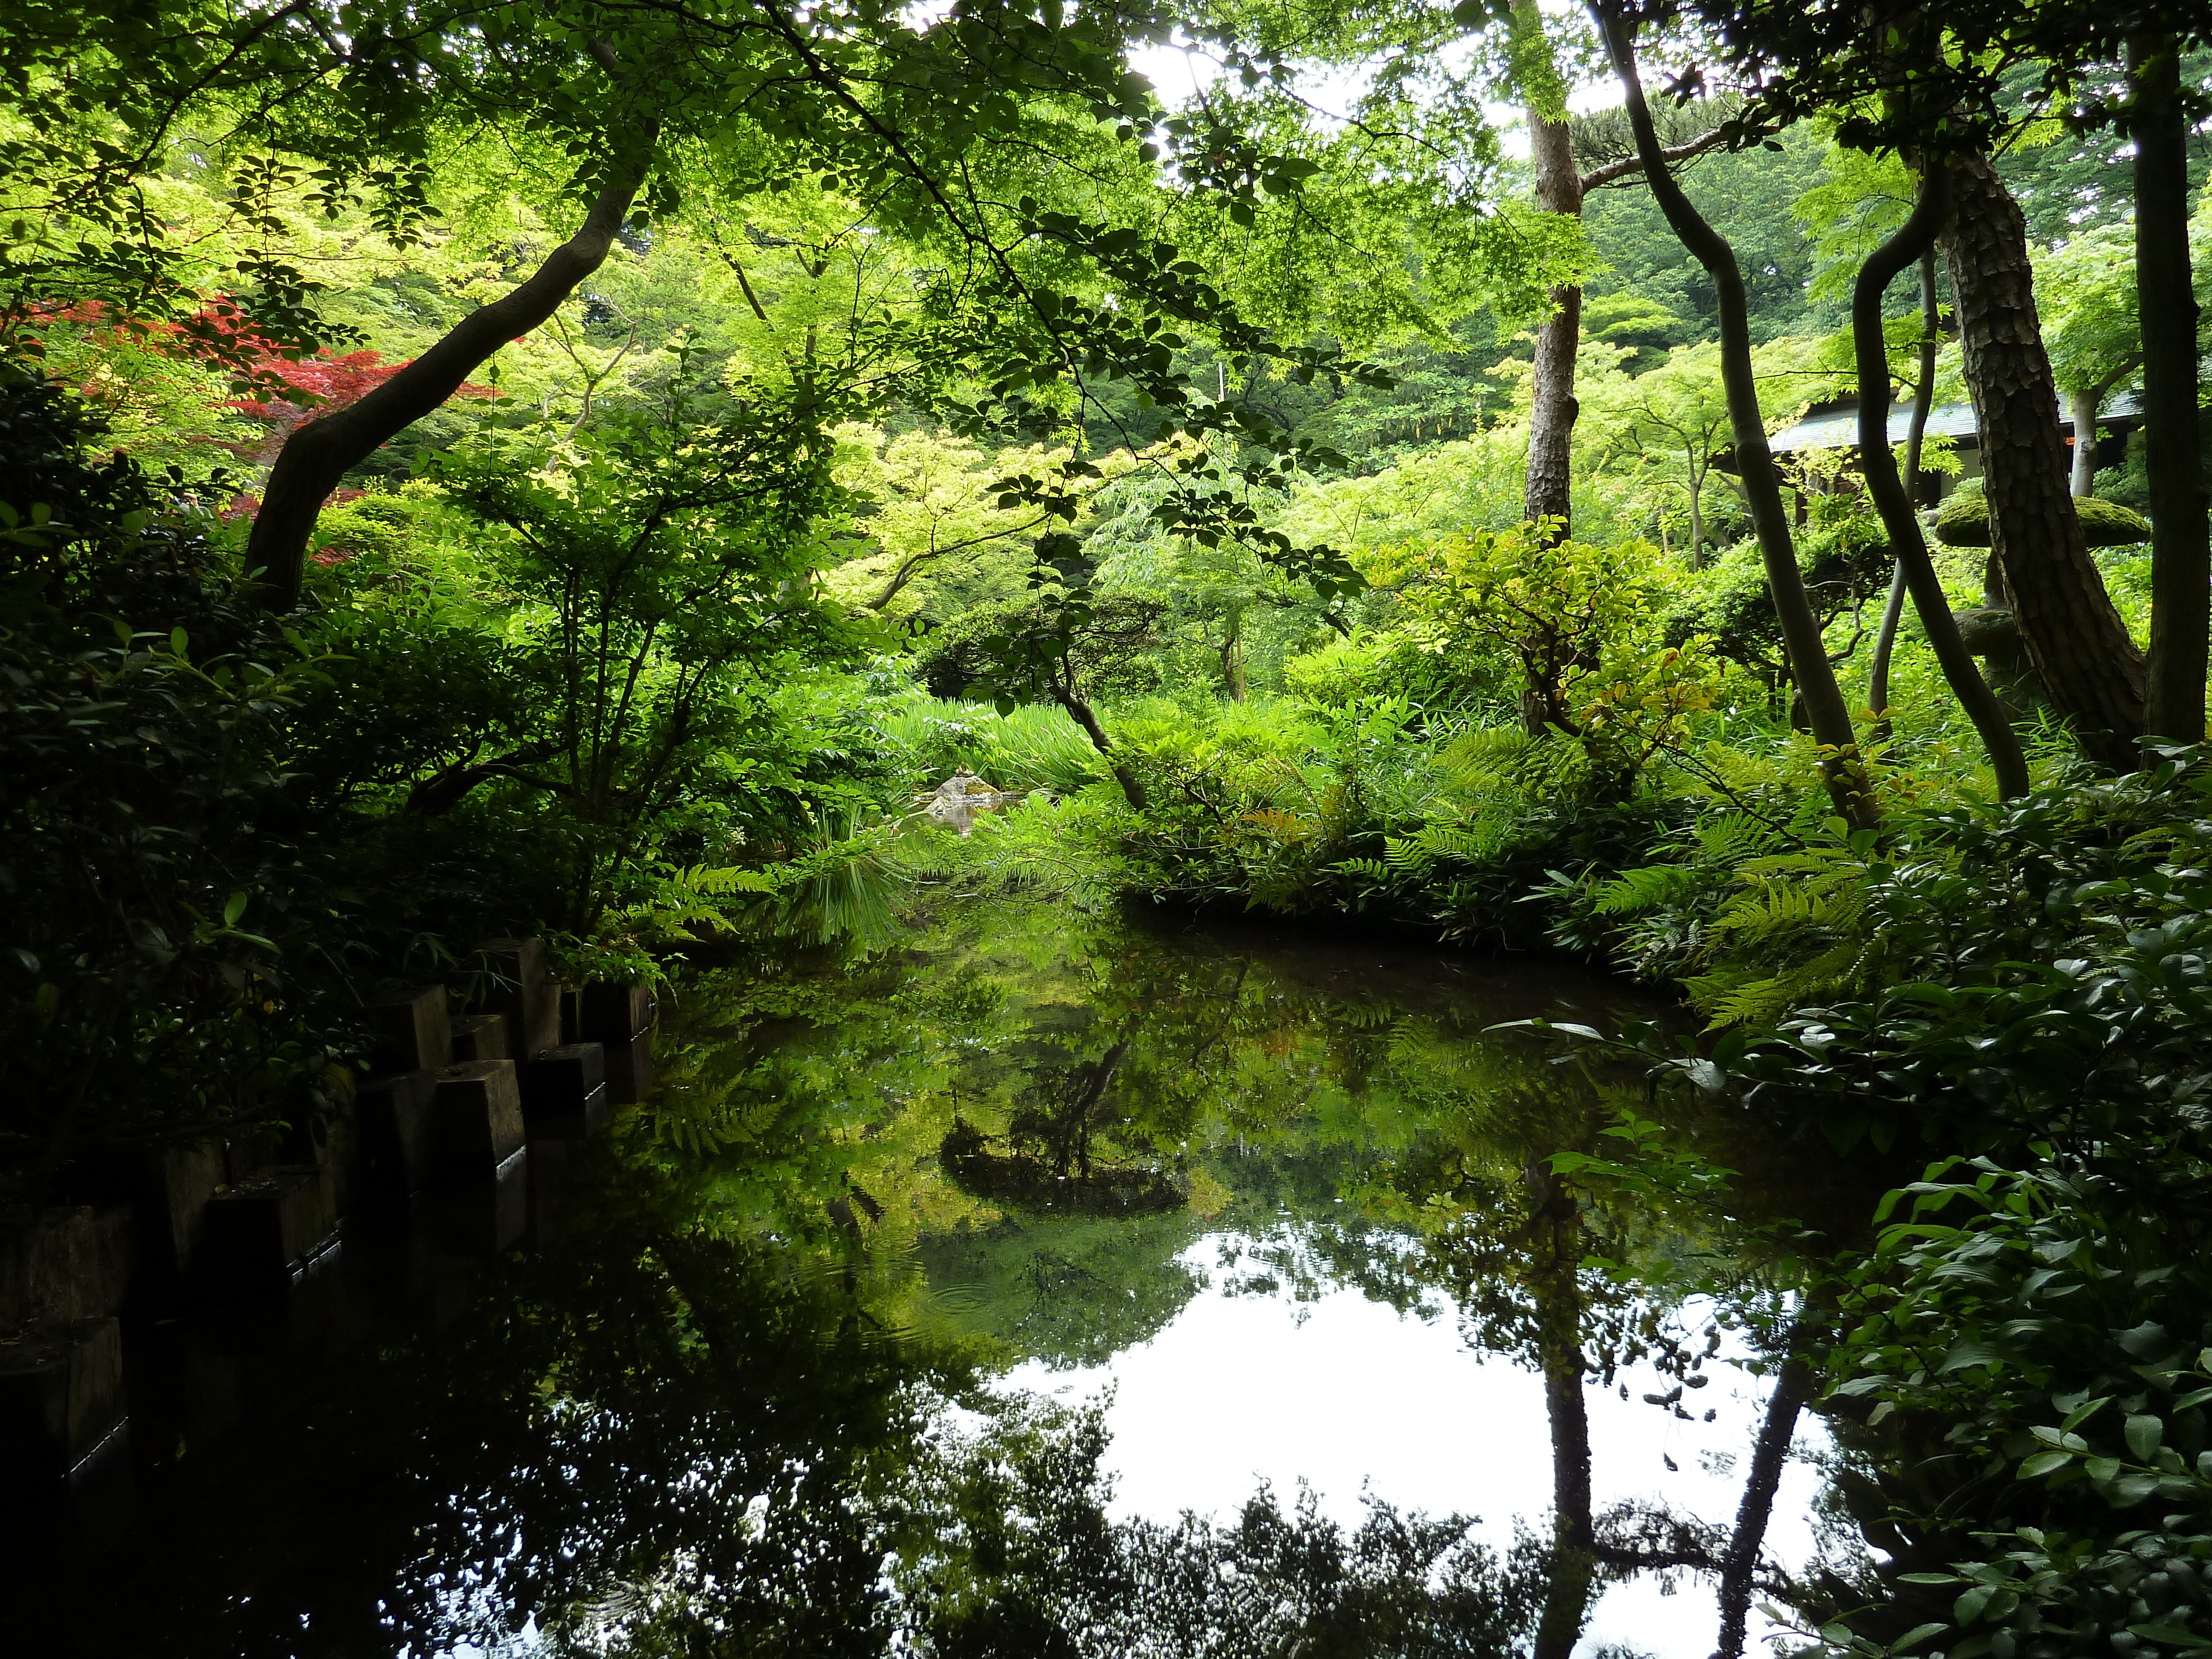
[[1836, 426]]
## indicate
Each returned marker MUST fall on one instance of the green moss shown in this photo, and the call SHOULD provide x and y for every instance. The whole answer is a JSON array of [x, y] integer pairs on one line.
[[2108, 524], [1964, 522]]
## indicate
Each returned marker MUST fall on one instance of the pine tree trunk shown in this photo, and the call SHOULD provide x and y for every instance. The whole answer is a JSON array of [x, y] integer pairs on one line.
[[2180, 563], [1697, 514], [1552, 416], [2075, 640], [1825, 711], [1083, 716]]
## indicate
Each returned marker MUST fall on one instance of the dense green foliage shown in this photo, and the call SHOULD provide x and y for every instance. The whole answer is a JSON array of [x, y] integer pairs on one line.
[[939, 400]]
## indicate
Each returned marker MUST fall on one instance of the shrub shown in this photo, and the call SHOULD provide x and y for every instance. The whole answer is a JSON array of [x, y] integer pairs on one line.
[[1965, 521]]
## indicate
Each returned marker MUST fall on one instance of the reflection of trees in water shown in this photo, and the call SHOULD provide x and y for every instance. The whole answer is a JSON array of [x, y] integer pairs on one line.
[[706, 1423], [1068, 1290], [655, 1426], [1401, 1153], [1057, 1159], [1033, 1567]]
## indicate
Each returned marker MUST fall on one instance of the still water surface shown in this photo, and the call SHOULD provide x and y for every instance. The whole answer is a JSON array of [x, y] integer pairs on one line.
[[1032, 1283]]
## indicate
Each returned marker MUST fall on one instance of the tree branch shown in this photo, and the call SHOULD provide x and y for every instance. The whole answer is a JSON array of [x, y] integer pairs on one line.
[[1628, 167], [320, 452]]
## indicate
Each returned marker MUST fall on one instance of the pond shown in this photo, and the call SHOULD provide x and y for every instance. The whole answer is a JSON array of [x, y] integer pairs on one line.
[[1038, 1282]]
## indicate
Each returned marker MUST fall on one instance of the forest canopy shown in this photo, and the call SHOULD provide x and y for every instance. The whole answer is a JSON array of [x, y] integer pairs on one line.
[[1715, 487]]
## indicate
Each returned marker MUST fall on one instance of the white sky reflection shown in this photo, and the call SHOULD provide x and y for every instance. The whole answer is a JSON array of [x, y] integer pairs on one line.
[[1344, 1395]]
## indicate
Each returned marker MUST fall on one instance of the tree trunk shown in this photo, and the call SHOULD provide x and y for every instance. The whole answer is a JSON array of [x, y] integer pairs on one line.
[[1696, 515], [1556, 1292], [1886, 638], [1923, 400], [1551, 416], [2083, 405], [1792, 1389], [2075, 639], [1826, 710], [320, 452], [1878, 467], [2180, 546], [1082, 714]]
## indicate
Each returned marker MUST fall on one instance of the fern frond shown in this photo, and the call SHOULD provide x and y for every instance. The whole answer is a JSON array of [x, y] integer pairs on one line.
[[1772, 908], [1634, 891], [1369, 869], [1488, 756], [719, 881], [1734, 836], [1756, 1002]]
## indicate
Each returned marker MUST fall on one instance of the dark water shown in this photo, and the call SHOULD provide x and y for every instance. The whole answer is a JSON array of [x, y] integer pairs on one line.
[[935, 1287]]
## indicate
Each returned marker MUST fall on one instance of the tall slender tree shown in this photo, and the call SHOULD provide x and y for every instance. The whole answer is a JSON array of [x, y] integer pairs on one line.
[[1842, 765], [1890, 499]]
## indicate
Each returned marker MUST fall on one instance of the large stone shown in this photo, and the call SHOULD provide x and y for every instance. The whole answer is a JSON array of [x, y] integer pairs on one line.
[[476, 1121], [485, 1217], [513, 981], [65, 1264], [560, 1090], [394, 1115], [263, 1229], [609, 1012], [61, 1395], [181, 1180], [409, 1031], [328, 1133], [629, 1069], [480, 1036]]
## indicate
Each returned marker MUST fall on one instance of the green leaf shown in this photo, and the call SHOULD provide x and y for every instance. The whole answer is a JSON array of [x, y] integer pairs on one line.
[[1969, 1352], [2143, 1433], [2171, 1636], [2131, 1489], [2081, 1414], [1913, 1638], [233, 909], [1968, 1607], [2043, 1463], [179, 642]]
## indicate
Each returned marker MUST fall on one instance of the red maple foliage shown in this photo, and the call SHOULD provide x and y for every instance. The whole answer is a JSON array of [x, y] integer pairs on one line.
[[282, 385]]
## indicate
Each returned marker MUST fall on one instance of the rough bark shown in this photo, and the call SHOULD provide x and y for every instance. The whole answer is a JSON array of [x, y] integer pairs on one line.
[[1551, 416], [1879, 466], [1923, 400], [1826, 712], [320, 452], [2180, 546], [2075, 639]]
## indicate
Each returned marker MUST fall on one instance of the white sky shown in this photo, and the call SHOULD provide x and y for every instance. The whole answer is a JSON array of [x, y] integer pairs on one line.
[[1179, 75], [1346, 1395]]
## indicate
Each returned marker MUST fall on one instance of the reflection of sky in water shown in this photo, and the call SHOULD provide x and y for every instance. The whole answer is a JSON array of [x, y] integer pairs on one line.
[[1344, 1395]]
